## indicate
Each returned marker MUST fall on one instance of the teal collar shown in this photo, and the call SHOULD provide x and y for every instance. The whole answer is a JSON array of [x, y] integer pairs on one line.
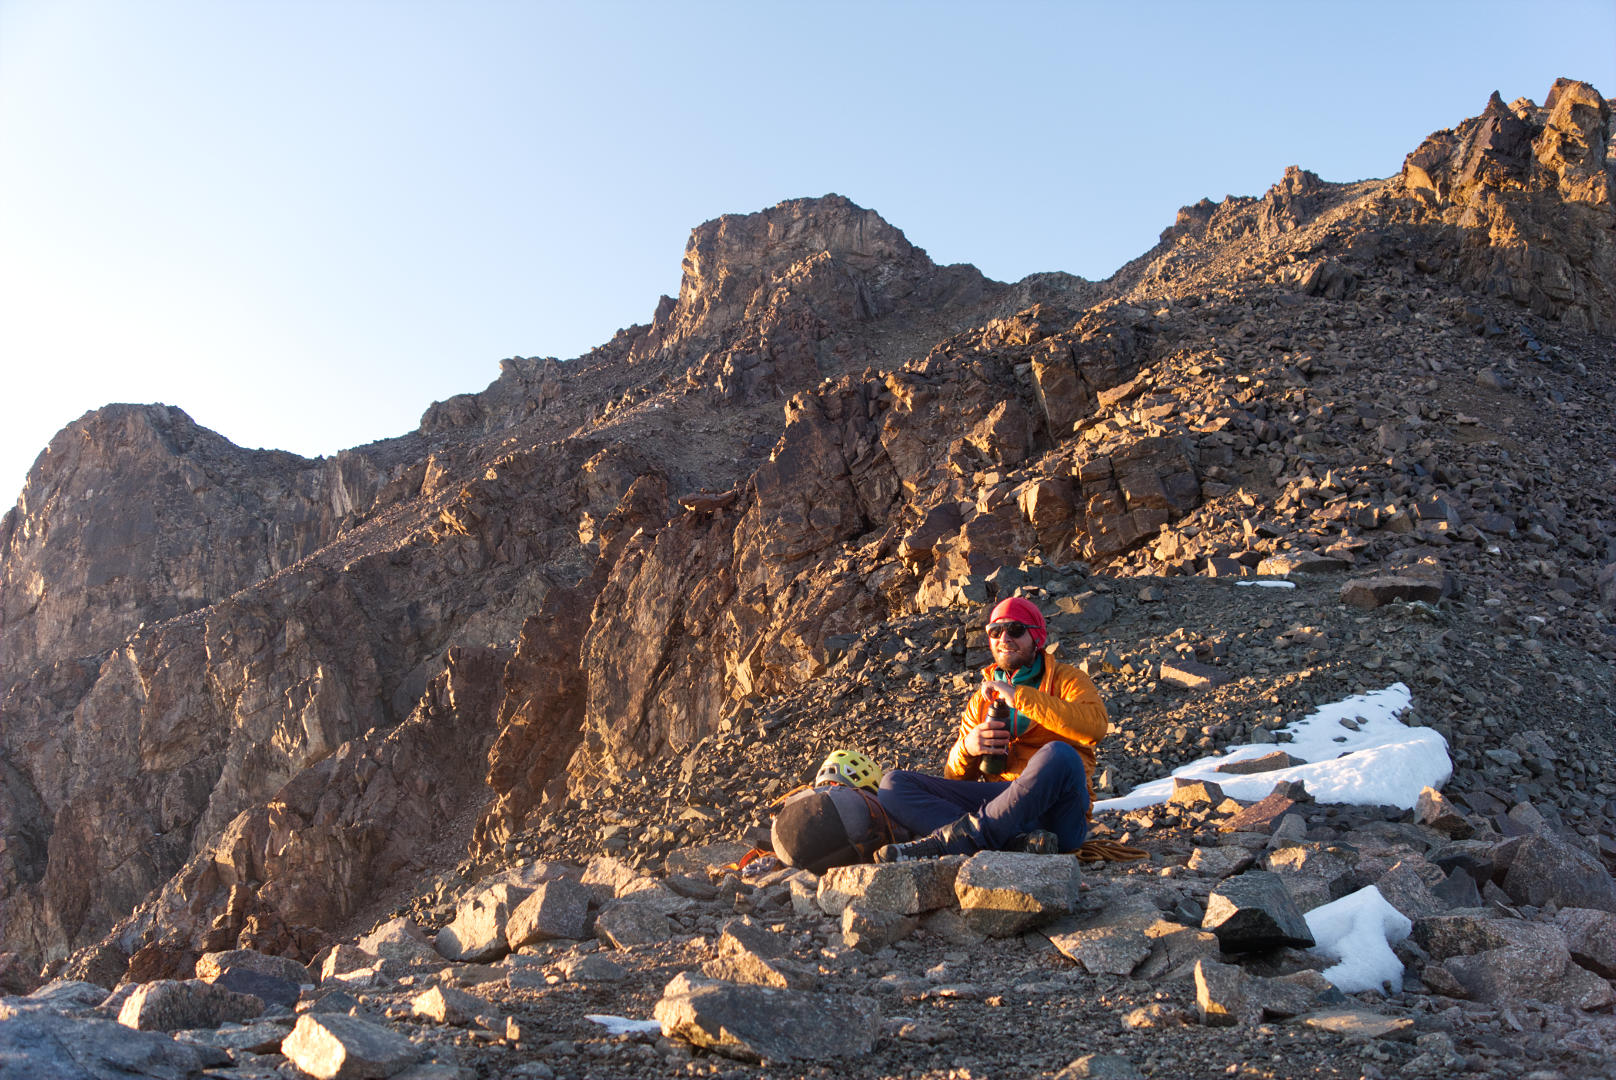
[[1030, 675]]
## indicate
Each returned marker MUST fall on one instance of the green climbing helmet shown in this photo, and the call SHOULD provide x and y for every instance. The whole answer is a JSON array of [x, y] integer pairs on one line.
[[849, 767]]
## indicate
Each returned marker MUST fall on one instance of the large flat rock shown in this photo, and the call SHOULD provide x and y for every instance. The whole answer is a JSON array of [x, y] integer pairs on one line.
[[45, 1046], [767, 1024]]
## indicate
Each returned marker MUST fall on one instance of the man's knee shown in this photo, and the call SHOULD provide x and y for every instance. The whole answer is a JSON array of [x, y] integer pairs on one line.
[[1058, 756], [896, 780]]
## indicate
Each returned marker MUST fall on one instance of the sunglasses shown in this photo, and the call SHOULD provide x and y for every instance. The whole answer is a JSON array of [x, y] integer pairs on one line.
[[1011, 628]]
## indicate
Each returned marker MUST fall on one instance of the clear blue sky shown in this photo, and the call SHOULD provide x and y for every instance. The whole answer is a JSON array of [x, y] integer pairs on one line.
[[304, 221]]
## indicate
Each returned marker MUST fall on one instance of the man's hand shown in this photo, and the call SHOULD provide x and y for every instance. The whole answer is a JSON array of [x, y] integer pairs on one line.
[[1007, 691], [988, 737]]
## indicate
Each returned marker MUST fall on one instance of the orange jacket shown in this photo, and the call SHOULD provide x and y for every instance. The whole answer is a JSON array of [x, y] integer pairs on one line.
[[1065, 706]]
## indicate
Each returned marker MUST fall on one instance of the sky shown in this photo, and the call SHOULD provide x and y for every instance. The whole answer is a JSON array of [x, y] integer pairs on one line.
[[303, 221]]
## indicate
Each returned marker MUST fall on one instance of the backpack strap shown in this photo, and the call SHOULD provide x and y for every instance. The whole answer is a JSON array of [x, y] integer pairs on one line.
[[878, 814], [793, 791]]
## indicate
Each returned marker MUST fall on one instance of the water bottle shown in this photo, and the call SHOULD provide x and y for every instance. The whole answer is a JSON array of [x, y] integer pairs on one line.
[[994, 764]]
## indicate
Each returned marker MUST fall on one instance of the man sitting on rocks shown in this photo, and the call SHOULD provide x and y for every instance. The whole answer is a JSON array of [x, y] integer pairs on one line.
[[1040, 800]]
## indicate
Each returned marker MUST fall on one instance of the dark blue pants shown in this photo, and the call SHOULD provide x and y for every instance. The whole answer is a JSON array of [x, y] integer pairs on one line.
[[1052, 793]]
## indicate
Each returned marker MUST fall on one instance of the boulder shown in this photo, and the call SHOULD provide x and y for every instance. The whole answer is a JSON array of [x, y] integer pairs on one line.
[[651, 893], [67, 997], [1407, 887], [1265, 814], [1102, 950], [608, 877], [1425, 582], [1505, 960], [1315, 874], [1590, 935], [334, 1047], [270, 989], [1100, 1067], [1255, 911], [1457, 890], [743, 965], [1285, 996], [328, 1000], [1194, 793], [400, 939], [444, 1004], [1546, 870], [555, 909], [1434, 811], [477, 934], [1360, 1025], [1192, 675], [1460, 933], [214, 964], [343, 960], [872, 929], [1279, 759], [747, 953], [45, 1046], [626, 923], [908, 888], [1085, 612], [947, 924], [1299, 562], [592, 967], [1175, 949], [1003, 893], [697, 861], [744, 935], [1532, 966], [1221, 861], [1113, 940], [170, 1005], [264, 1037], [1220, 997], [767, 1024]]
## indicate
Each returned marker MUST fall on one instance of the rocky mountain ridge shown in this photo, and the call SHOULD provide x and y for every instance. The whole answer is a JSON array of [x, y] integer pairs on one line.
[[248, 691]]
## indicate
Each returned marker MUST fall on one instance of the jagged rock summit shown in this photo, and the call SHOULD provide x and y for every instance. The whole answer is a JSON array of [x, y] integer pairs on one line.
[[618, 602]]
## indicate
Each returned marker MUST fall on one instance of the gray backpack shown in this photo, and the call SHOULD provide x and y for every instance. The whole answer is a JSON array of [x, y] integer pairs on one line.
[[817, 828]]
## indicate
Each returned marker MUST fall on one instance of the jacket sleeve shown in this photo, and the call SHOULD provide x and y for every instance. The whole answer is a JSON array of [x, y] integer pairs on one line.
[[1074, 711], [961, 765]]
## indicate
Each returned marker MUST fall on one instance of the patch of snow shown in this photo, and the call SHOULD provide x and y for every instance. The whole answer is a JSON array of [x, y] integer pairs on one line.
[[1270, 584], [622, 1025], [1379, 761], [1359, 930]]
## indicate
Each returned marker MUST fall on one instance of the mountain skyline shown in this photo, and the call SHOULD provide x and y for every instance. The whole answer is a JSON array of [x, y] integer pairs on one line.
[[304, 231]]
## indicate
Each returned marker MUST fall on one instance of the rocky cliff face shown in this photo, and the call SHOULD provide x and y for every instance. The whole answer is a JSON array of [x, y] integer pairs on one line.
[[135, 514], [770, 301], [244, 692], [130, 761], [1530, 191]]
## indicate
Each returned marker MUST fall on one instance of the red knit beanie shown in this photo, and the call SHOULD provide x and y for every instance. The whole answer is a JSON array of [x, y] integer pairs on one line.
[[1025, 611]]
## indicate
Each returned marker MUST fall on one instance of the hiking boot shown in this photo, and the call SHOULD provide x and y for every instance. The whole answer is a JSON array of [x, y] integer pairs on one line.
[[962, 837], [1037, 842]]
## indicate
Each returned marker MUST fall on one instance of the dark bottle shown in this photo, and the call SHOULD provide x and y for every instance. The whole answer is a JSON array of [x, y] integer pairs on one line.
[[994, 764]]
